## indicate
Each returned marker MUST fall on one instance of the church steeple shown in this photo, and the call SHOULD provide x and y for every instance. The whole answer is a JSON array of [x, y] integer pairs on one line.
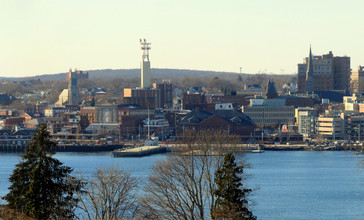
[[309, 73], [271, 90]]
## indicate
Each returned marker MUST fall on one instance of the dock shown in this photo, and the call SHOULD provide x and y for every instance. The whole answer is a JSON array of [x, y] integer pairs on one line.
[[139, 151]]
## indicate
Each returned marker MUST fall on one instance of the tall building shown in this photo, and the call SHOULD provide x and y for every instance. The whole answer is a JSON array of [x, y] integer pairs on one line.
[[324, 72], [73, 92], [160, 95], [357, 80], [165, 97], [81, 74], [145, 65], [305, 119]]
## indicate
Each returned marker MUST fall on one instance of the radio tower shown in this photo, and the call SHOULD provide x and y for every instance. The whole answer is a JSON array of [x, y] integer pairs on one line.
[[145, 65]]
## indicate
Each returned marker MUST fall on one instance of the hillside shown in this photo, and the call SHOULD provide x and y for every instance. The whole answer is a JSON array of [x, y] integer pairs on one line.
[[131, 73]]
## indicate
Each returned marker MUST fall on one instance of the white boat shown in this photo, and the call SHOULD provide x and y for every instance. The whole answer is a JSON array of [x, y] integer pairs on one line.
[[259, 150]]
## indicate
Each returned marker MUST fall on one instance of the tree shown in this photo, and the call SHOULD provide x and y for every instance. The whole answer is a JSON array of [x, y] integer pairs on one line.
[[41, 186], [182, 186], [109, 194], [231, 200]]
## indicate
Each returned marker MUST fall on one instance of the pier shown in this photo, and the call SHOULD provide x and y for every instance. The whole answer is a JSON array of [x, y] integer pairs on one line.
[[139, 151]]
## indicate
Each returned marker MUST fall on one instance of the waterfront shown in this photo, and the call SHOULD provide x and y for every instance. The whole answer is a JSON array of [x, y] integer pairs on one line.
[[291, 185]]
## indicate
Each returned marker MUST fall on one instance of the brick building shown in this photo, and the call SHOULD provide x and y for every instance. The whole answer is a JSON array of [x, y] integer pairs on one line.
[[324, 72], [234, 122]]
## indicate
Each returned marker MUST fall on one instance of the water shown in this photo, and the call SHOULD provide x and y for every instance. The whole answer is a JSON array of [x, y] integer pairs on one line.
[[290, 185]]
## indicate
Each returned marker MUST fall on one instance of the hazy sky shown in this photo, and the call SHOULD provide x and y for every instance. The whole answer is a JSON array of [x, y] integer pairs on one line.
[[51, 36]]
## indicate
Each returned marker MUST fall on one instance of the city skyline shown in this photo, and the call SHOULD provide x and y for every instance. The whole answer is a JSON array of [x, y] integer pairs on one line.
[[44, 37]]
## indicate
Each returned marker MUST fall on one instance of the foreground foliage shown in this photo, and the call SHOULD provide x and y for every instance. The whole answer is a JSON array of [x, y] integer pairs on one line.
[[41, 186], [109, 194], [183, 186], [231, 196]]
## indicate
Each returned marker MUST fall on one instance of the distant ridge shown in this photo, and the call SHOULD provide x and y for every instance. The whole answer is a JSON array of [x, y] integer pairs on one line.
[[127, 73]]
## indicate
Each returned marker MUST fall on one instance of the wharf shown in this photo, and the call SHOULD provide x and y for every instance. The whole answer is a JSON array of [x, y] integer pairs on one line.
[[64, 148], [139, 151]]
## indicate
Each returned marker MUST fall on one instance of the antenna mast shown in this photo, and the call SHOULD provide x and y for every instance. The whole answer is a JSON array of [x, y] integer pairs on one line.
[[145, 48]]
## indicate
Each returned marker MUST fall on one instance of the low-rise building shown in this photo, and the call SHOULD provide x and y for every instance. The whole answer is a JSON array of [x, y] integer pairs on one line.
[[331, 126], [235, 122], [270, 113]]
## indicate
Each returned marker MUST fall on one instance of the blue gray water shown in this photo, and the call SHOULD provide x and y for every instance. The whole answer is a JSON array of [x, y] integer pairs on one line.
[[290, 185]]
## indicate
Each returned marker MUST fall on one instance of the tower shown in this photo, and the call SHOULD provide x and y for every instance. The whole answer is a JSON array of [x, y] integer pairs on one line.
[[73, 93], [271, 90], [309, 74], [145, 65]]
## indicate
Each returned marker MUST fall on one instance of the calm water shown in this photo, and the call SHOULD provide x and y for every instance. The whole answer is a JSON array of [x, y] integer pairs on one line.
[[290, 185]]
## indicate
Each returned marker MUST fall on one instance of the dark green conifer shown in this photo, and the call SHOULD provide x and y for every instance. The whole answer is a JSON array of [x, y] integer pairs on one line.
[[231, 196], [41, 187]]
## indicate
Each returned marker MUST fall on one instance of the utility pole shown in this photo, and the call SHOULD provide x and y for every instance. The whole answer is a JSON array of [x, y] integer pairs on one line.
[[333, 128], [148, 126], [359, 130]]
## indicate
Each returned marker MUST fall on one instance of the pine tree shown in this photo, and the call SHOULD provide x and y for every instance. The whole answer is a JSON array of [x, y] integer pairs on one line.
[[41, 187], [231, 196]]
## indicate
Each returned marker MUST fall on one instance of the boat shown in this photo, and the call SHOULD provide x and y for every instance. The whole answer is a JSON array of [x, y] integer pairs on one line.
[[259, 150]]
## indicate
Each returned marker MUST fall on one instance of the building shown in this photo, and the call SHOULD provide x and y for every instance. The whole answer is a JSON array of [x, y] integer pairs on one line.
[[73, 92], [331, 126], [270, 116], [352, 103], [145, 65], [165, 97], [236, 100], [235, 122], [62, 98], [305, 119], [54, 124], [194, 101], [55, 111], [80, 74], [5, 99], [270, 113], [18, 138], [87, 115], [160, 95], [29, 116], [11, 123], [324, 72], [355, 127], [357, 80], [106, 114], [300, 101], [146, 98], [131, 119]]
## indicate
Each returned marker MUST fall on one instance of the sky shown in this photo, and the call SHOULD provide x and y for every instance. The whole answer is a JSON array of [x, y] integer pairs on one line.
[[261, 36]]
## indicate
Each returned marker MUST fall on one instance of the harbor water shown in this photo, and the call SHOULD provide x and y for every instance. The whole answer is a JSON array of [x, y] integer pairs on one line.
[[288, 185]]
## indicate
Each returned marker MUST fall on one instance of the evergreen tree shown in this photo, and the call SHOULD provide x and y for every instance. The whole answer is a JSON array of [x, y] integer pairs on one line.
[[41, 187], [231, 196]]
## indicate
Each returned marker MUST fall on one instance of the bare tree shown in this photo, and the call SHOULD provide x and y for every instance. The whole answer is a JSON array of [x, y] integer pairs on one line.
[[109, 194], [182, 186]]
